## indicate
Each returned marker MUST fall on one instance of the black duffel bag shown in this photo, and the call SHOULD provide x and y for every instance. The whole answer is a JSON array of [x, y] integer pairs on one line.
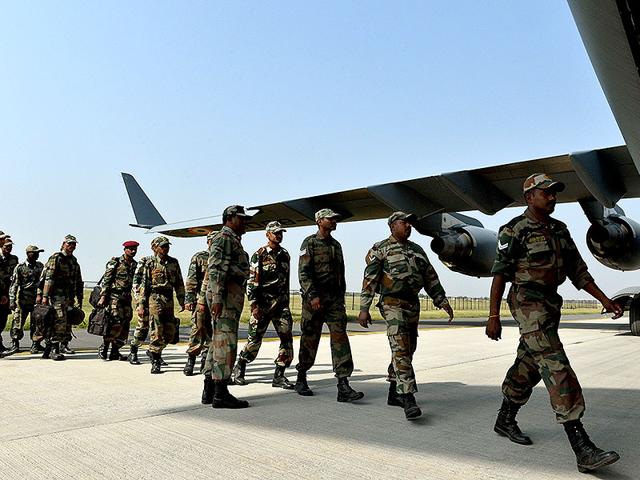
[[99, 322], [75, 316], [43, 317], [94, 298]]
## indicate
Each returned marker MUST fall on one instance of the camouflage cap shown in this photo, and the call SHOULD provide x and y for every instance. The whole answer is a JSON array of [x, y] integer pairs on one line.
[[235, 211], [69, 239], [33, 248], [326, 213], [542, 181], [160, 242], [409, 217], [275, 227], [7, 241]]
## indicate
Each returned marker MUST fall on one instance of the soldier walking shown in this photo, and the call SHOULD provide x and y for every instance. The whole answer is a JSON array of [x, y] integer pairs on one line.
[[536, 254], [117, 283], [228, 270], [141, 331], [161, 278], [22, 297], [323, 285], [268, 294], [398, 269], [62, 287], [201, 326], [8, 263]]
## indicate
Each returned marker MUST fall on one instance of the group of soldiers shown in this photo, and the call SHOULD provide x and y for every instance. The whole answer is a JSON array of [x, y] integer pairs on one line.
[[535, 253]]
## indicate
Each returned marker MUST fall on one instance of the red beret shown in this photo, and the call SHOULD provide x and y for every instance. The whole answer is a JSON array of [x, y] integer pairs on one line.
[[130, 243]]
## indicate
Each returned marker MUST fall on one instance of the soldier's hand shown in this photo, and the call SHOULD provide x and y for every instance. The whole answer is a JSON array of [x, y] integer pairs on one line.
[[45, 300], [140, 312], [4, 300], [201, 308], [189, 307], [256, 312], [447, 308], [315, 304], [216, 310], [613, 307], [364, 319], [494, 328], [102, 301], [38, 299]]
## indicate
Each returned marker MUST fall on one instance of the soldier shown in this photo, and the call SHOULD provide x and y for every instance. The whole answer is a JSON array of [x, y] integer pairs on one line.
[[161, 278], [22, 297], [8, 263], [398, 269], [536, 254], [268, 294], [61, 287], [201, 326], [228, 270], [142, 327], [323, 285], [117, 283]]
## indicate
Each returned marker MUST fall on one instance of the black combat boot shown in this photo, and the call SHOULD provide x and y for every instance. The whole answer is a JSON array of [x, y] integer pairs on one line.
[[411, 408], [133, 355], [115, 354], [2, 347], [588, 456], [103, 351], [55, 352], [301, 386], [506, 424], [346, 393], [188, 367], [238, 372], [223, 399], [64, 348], [393, 398], [36, 347], [162, 362], [46, 353], [207, 390], [15, 348], [155, 362], [279, 380]]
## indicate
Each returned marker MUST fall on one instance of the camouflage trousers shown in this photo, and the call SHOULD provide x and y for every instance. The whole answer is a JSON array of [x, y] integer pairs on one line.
[[162, 325], [121, 314], [20, 315], [141, 331], [222, 354], [61, 330], [201, 331], [402, 332], [332, 313], [282, 322], [541, 356]]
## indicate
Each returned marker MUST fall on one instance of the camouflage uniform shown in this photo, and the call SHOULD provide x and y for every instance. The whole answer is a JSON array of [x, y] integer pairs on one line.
[[8, 263], [201, 326], [537, 258], [24, 286], [321, 275], [398, 272], [117, 283], [62, 284], [142, 327], [268, 288], [160, 279], [228, 270]]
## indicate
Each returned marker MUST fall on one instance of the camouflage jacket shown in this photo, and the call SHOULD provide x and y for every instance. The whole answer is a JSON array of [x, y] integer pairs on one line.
[[24, 283], [139, 274], [196, 277], [7, 265], [539, 256], [118, 277], [163, 277], [61, 277], [399, 271], [228, 262], [321, 268], [269, 273]]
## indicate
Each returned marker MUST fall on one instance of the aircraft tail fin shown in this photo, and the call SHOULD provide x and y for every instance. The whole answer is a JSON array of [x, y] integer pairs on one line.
[[146, 213]]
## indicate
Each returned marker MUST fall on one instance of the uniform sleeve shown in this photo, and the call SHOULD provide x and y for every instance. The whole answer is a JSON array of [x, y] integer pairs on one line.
[[13, 287], [372, 278], [191, 284], [218, 266], [108, 277], [137, 277], [179, 284], [253, 283], [47, 275], [506, 253], [576, 268], [432, 284], [305, 270], [144, 288]]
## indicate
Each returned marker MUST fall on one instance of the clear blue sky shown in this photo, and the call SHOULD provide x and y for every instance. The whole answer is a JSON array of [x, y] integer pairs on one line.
[[216, 103]]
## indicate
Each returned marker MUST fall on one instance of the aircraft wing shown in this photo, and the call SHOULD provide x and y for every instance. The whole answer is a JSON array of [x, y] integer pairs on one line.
[[605, 175]]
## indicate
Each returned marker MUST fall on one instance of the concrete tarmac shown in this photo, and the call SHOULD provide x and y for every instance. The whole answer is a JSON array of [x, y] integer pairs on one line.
[[89, 419]]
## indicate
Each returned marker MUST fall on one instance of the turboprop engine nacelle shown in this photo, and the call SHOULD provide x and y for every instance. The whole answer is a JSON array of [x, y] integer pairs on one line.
[[467, 249], [615, 242]]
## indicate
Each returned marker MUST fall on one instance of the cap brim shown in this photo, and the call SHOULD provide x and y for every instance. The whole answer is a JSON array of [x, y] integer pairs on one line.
[[243, 215], [277, 230], [411, 217]]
